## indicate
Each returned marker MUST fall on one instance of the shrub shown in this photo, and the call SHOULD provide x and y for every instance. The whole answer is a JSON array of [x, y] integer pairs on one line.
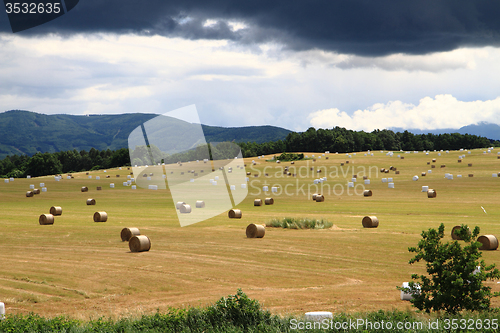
[[453, 282]]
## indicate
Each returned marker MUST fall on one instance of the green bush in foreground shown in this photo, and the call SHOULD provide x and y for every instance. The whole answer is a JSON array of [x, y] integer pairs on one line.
[[238, 313], [299, 223], [453, 284]]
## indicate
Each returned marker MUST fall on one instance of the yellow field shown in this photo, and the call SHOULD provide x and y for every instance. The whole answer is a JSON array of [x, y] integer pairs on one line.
[[82, 269]]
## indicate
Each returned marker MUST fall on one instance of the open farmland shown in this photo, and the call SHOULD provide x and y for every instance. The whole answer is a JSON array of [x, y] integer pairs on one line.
[[83, 269]]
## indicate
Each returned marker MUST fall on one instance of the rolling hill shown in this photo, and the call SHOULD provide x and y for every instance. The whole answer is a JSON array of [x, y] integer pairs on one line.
[[25, 132]]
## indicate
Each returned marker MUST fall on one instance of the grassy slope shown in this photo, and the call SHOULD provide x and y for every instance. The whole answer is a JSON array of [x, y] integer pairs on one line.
[[81, 268]]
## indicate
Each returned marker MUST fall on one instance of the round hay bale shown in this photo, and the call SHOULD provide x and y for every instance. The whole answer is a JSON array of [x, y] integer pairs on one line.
[[179, 204], [346, 162], [100, 217], [402, 157], [367, 193], [341, 164], [200, 204], [365, 177], [248, 173], [433, 160], [46, 219], [433, 166], [36, 191], [370, 222], [471, 175], [234, 214], [257, 202], [90, 202], [489, 242], [382, 170], [98, 188], [469, 165], [128, 233], [455, 236], [423, 174], [29, 194], [443, 165], [320, 198], [269, 201], [84, 189], [459, 161], [397, 172], [117, 176], [386, 171], [56, 210], [428, 163], [185, 209], [431, 193], [314, 196], [255, 230], [139, 243]]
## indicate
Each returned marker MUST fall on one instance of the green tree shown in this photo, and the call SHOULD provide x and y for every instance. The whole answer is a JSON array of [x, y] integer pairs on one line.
[[453, 283], [43, 164]]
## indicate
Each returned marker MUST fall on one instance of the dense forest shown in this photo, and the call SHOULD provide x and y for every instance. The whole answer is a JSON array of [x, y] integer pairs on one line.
[[334, 140], [62, 162], [342, 140]]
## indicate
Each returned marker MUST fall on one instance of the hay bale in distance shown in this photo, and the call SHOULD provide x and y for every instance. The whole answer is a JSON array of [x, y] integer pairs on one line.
[[320, 198], [255, 230], [234, 214], [431, 193], [433, 160], [90, 202], [269, 201], [84, 189], [29, 194], [100, 217], [443, 165], [56, 210], [423, 174], [367, 193], [46, 219], [185, 209], [200, 204], [98, 188], [459, 161], [471, 175], [433, 166], [314, 196], [489, 242], [139, 243], [36, 191], [455, 236], [469, 165], [397, 172], [128, 233], [370, 222], [179, 204], [257, 202]]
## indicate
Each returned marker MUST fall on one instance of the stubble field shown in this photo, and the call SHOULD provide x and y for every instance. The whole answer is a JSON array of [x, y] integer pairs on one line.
[[82, 269]]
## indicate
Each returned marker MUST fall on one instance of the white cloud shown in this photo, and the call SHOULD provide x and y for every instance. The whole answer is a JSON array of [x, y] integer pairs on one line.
[[231, 84], [443, 111]]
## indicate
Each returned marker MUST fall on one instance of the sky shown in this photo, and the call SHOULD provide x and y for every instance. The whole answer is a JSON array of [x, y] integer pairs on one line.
[[359, 64]]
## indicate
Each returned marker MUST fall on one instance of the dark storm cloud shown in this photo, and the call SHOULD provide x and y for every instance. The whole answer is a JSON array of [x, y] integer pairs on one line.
[[363, 27]]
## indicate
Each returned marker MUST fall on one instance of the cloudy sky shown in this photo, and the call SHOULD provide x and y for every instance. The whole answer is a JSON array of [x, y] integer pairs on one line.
[[359, 64]]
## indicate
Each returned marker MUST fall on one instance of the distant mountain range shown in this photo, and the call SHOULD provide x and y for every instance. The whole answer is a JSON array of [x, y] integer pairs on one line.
[[25, 132], [485, 129]]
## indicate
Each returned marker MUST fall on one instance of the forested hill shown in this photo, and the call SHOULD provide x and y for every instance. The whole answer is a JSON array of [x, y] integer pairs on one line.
[[25, 132]]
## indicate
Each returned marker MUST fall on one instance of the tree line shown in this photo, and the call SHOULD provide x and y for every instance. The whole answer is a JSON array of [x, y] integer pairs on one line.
[[337, 139], [41, 164], [342, 140]]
